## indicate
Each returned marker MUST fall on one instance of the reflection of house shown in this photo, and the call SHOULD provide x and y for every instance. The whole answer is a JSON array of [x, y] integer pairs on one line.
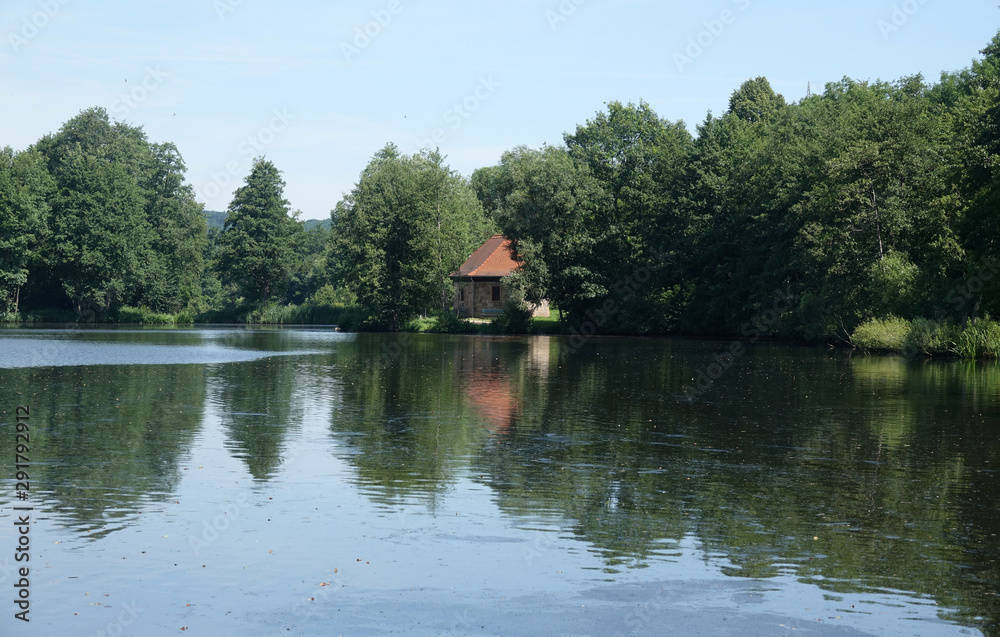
[[478, 290]]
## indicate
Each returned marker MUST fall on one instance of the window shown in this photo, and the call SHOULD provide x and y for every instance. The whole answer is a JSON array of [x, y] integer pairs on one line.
[[461, 295], [496, 292]]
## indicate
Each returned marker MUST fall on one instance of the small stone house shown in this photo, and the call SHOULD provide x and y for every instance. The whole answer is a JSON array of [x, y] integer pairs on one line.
[[478, 290]]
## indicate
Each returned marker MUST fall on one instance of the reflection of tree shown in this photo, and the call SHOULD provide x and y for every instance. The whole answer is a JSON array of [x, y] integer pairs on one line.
[[105, 439], [853, 485], [848, 473], [257, 410], [403, 414]]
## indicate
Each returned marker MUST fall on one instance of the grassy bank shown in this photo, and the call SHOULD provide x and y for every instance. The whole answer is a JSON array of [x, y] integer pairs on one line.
[[925, 337]]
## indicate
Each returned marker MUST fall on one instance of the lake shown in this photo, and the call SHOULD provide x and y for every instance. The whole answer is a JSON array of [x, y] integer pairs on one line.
[[306, 481]]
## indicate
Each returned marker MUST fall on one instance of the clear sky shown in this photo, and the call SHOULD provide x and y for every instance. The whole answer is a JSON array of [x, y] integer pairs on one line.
[[319, 87]]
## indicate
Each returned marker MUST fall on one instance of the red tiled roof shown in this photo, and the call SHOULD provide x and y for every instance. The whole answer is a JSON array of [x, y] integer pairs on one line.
[[492, 259]]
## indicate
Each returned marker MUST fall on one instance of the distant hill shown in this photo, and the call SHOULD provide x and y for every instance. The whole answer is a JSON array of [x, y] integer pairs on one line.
[[217, 219], [312, 224]]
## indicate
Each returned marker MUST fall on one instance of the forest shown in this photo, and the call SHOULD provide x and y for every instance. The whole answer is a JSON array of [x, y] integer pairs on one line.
[[862, 215]]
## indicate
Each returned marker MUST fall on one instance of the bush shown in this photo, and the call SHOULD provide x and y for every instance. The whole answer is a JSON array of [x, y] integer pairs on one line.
[[448, 323], [142, 316], [516, 317], [887, 335], [420, 324], [981, 340], [932, 338]]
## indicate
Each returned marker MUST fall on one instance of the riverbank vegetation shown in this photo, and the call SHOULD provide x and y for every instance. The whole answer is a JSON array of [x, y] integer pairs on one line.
[[862, 215]]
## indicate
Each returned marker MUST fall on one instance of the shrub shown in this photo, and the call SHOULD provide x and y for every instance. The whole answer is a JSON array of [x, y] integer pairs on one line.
[[142, 316], [932, 338], [980, 340], [887, 335], [448, 323]]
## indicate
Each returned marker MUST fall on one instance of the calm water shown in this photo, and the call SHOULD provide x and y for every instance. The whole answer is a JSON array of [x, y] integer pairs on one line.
[[300, 482]]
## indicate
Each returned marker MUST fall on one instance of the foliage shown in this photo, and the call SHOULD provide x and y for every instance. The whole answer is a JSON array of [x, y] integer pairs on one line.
[[815, 219], [256, 246], [980, 340], [448, 323], [25, 187], [409, 222], [516, 316], [145, 316], [888, 334]]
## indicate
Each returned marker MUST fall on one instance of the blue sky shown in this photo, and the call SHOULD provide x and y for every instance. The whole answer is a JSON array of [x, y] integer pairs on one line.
[[320, 87]]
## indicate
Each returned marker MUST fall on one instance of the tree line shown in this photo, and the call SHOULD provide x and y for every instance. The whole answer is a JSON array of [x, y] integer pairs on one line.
[[867, 201]]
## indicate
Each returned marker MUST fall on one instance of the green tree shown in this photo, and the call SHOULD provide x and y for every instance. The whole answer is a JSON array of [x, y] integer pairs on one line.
[[256, 246], [25, 187], [548, 205], [154, 229], [755, 101], [408, 223], [641, 162], [99, 232], [174, 269]]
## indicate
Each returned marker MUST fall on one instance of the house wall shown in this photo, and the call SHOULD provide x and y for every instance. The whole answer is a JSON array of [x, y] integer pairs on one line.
[[479, 296]]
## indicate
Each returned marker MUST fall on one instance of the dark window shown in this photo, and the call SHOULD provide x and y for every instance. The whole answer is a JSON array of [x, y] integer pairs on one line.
[[461, 294], [496, 292]]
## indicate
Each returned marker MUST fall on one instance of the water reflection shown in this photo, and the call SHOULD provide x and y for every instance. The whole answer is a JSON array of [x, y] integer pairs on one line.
[[855, 475], [105, 441]]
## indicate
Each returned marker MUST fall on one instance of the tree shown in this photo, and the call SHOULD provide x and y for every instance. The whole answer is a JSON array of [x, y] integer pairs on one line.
[[407, 224], [755, 101], [25, 186], [255, 248], [548, 205], [641, 162], [99, 232], [153, 229], [174, 270]]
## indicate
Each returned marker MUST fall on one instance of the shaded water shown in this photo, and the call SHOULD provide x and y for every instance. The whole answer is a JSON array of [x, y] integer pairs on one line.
[[310, 482]]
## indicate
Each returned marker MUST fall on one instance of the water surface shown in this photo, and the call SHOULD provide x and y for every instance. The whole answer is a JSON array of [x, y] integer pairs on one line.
[[264, 482]]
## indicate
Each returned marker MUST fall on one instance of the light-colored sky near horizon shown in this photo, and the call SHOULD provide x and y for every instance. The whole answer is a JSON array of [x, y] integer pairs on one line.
[[319, 87]]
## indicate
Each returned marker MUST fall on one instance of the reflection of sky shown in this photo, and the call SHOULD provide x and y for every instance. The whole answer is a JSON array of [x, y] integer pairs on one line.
[[52, 348], [220, 542]]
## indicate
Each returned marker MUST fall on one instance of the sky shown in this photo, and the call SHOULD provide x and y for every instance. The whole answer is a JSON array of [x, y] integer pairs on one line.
[[319, 87]]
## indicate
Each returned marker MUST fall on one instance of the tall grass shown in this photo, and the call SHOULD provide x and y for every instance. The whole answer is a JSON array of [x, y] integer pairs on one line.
[[981, 340], [142, 316], [349, 318], [929, 338], [882, 335]]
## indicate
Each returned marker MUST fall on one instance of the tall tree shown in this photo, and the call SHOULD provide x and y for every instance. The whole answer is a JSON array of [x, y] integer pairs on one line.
[[256, 246], [407, 224], [99, 232], [25, 187], [548, 204], [641, 161], [755, 101], [163, 228]]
